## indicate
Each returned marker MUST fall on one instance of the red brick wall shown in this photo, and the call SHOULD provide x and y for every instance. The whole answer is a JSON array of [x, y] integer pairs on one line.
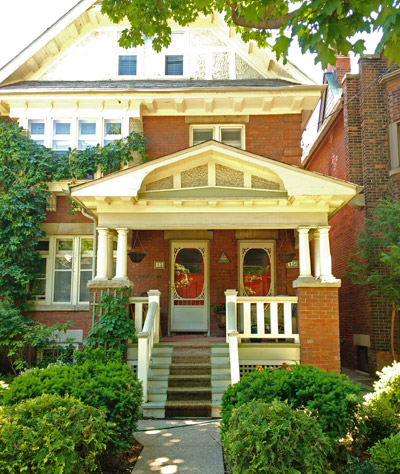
[[341, 68], [62, 213], [318, 320], [393, 98], [165, 135], [80, 319], [275, 136]]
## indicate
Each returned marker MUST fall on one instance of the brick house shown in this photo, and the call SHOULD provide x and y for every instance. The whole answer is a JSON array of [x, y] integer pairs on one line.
[[223, 209], [358, 141]]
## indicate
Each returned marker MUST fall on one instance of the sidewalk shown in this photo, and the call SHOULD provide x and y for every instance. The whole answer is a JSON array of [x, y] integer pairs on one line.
[[193, 448], [366, 380]]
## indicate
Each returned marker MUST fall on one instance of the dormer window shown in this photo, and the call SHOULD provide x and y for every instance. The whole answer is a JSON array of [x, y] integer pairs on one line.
[[174, 65], [127, 65], [229, 134]]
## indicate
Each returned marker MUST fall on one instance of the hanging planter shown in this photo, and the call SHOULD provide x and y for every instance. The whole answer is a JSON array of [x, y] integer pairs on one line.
[[286, 257], [135, 255]]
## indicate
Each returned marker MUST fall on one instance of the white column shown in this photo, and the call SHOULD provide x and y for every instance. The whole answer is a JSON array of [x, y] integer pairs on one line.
[[102, 252], [110, 241], [325, 255], [304, 253], [122, 253], [317, 263]]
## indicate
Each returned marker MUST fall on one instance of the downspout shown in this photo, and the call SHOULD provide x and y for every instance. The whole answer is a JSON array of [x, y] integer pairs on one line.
[[95, 222]]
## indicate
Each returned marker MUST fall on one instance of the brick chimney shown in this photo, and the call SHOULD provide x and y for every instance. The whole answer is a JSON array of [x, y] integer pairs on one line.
[[341, 68]]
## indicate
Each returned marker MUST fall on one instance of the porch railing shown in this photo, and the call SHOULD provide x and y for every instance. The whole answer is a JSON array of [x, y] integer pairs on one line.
[[270, 317], [148, 333]]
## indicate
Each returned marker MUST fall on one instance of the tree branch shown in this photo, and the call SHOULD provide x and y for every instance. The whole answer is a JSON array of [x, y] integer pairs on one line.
[[266, 23]]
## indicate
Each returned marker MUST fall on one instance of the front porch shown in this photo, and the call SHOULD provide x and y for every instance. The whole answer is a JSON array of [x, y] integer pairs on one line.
[[213, 218]]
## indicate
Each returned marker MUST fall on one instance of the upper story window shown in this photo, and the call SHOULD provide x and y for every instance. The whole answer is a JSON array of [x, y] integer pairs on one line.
[[61, 135], [86, 134], [127, 65], [112, 131], [394, 142], [36, 129], [232, 135], [174, 65]]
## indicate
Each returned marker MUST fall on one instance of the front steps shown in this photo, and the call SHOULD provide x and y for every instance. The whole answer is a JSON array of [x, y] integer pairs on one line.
[[187, 380]]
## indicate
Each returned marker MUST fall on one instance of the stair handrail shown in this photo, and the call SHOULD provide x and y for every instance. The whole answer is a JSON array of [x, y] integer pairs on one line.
[[149, 336], [232, 334]]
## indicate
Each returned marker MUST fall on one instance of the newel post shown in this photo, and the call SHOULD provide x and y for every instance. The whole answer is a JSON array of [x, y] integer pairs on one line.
[[232, 334]]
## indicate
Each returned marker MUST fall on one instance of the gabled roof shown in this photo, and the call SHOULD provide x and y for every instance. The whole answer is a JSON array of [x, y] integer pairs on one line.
[[219, 177], [86, 14]]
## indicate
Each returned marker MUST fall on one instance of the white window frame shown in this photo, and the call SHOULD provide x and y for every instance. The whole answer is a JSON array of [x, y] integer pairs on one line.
[[75, 271], [109, 137], [217, 131], [96, 140], [179, 49], [134, 51], [71, 137], [38, 137]]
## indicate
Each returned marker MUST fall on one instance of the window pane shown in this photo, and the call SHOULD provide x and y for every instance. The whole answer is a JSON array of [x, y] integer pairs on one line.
[[82, 144], [62, 287], [127, 66], [86, 263], [189, 274], [64, 262], [231, 137], [43, 246], [62, 128], [86, 245], [60, 145], [202, 135], [174, 65], [87, 128], [36, 128], [83, 289], [256, 272], [113, 128], [64, 244], [38, 287]]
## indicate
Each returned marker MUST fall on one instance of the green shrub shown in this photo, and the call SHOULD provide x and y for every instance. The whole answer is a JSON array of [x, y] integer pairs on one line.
[[365, 467], [332, 399], [381, 421], [386, 454], [273, 438], [387, 387], [51, 434], [99, 378]]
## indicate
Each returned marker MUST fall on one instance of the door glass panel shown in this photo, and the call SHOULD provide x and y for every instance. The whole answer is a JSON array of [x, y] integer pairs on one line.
[[256, 272], [189, 273]]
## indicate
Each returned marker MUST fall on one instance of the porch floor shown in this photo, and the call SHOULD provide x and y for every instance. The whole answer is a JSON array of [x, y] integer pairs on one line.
[[193, 339]]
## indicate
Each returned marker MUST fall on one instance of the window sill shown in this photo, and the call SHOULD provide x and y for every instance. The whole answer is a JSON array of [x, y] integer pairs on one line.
[[60, 307]]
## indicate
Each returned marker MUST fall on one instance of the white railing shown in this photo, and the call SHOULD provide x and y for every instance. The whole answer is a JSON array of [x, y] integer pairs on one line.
[[269, 317], [139, 302], [148, 335]]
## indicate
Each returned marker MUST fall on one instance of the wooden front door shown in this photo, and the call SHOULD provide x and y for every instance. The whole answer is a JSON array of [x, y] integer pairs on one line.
[[189, 287]]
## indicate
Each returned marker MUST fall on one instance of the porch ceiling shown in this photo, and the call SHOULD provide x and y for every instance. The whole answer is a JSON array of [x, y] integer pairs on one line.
[[212, 184]]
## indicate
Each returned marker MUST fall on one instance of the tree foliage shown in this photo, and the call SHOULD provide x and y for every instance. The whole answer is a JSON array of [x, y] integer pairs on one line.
[[322, 27]]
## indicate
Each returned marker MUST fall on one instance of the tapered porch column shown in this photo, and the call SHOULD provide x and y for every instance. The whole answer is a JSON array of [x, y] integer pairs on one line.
[[122, 251], [325, 255], [110, 260], [304, 253], [317, 264], [102, 254]]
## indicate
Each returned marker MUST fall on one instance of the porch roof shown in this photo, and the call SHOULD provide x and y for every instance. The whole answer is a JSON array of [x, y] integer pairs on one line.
[[212, 185]]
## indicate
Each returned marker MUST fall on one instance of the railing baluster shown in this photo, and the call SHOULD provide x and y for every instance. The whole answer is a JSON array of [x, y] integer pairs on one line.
[[274, 319], [287, 318], [247, 318], [260, 319]]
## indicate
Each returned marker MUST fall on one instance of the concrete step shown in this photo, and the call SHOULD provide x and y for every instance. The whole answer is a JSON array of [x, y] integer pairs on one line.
[[188, 394], [189, 381], [200, 368], [153, 410], [192, 409]]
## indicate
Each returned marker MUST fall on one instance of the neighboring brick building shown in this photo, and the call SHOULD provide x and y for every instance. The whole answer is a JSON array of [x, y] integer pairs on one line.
[[358, 141], [222, 202]]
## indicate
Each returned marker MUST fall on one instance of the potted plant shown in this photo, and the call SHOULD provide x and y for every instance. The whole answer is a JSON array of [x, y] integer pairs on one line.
[[220, 311]]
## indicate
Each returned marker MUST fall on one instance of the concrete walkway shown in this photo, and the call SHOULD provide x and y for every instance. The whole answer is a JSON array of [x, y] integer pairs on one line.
[[193, 448]]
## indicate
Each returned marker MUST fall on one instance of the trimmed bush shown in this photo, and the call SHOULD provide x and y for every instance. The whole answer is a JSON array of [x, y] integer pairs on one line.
[[380, 421], [365, 467], [387, 387], [52, 434], [273, 438], [332, 399], [98, 378], [386, 454]]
